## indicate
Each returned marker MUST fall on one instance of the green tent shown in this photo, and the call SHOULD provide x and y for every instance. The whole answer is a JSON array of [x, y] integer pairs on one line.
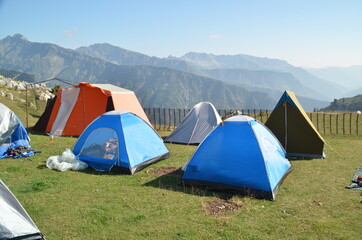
[[295, 131]]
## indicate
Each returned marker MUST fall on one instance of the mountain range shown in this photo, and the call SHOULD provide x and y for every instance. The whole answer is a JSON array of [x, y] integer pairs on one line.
[[252, 73], [228, 81], [349, 77]]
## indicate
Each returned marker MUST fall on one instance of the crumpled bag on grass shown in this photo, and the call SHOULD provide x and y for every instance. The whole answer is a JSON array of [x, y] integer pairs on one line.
[[65, 162]]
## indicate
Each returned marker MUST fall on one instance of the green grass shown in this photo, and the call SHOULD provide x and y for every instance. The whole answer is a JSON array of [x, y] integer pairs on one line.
[[312, 203]]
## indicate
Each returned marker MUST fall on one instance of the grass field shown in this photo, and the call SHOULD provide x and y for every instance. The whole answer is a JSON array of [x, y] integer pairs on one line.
[[312, 203]]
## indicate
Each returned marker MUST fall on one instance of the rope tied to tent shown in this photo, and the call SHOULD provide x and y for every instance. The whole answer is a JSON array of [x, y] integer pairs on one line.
[[329, 145]]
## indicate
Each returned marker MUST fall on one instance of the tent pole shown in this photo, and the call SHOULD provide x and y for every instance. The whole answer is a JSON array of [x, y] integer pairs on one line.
[[26, 105], [286, 125]]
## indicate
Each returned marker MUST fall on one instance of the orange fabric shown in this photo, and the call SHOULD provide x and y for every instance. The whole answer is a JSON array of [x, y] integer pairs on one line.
[[129, 102], [91, 103]]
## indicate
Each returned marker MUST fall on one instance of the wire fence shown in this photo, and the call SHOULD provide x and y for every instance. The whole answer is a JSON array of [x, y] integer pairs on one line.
[[325, 122]]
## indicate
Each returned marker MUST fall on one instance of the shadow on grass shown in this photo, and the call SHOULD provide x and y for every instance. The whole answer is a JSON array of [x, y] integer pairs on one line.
[[88, 170], [41, 167], [172, 181], [92, 171]]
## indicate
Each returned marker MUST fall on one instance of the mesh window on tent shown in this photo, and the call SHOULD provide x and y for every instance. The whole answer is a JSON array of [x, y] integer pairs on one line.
[[102, 143]]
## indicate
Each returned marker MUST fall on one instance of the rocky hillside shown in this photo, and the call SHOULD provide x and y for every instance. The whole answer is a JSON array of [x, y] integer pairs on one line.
[[352, 104], [16, 91]]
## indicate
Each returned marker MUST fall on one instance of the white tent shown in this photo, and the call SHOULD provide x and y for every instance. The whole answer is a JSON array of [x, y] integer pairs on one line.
[[8, 123], [15, 223], [12, 133], [198, 123]]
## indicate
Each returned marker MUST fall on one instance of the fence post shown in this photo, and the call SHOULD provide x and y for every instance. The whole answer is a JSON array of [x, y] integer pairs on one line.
[[337, 123], [324, 123], [261, 115], [169, 118], [357, 123], [350, 123], [330, 124], [174, 118], [159, 119], [344, 114], [179, 115], [154, 117], [317, 123]]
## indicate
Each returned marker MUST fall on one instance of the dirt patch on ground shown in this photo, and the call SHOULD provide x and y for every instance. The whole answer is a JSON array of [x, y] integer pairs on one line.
[[218, 206], [170, 171]]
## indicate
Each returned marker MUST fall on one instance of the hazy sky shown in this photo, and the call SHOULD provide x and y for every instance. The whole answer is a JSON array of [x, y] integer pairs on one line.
[[308, 33]]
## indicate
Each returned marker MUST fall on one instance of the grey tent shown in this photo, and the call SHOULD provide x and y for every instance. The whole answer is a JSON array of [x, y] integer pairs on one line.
[[198, 123], [15, 223], [12, 133]]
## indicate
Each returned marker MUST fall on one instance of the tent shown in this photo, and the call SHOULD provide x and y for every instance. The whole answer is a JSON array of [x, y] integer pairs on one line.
[[295, 131], [198, 123], [241, 155], [75, 107], [12, 133], [119, 141], [15, 223]]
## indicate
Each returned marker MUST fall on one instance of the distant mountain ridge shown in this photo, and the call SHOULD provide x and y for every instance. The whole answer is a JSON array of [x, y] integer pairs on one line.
[[326, 89], [349, 77], [203, 64], [121, 56], [154, 86], [254, 77]]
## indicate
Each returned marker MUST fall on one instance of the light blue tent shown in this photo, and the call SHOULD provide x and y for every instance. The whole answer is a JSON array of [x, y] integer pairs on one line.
[[119, 141], [12, 133], [240, 155]]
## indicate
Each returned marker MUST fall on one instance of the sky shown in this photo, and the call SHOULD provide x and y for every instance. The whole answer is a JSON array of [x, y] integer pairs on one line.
[[305, 33]]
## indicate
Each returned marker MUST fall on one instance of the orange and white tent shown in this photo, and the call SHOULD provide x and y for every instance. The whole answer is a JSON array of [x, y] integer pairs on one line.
[[75, 107]]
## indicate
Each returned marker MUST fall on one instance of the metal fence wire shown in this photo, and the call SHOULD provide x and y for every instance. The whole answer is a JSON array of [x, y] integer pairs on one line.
[[325, 122]]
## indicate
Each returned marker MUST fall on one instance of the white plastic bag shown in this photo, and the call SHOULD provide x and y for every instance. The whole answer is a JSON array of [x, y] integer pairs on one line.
[[65, 162]]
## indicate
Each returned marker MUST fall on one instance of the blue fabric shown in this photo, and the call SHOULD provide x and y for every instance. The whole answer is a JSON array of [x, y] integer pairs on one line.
[[18, 138], [137, 141], [273, 154], [100, 164], [108, 122], [235, 155], [141, 141], [285, 98]]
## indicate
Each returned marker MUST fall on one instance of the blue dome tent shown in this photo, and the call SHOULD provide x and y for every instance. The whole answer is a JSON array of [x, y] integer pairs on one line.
[[12, 133], [240, 155], [120, 141]]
